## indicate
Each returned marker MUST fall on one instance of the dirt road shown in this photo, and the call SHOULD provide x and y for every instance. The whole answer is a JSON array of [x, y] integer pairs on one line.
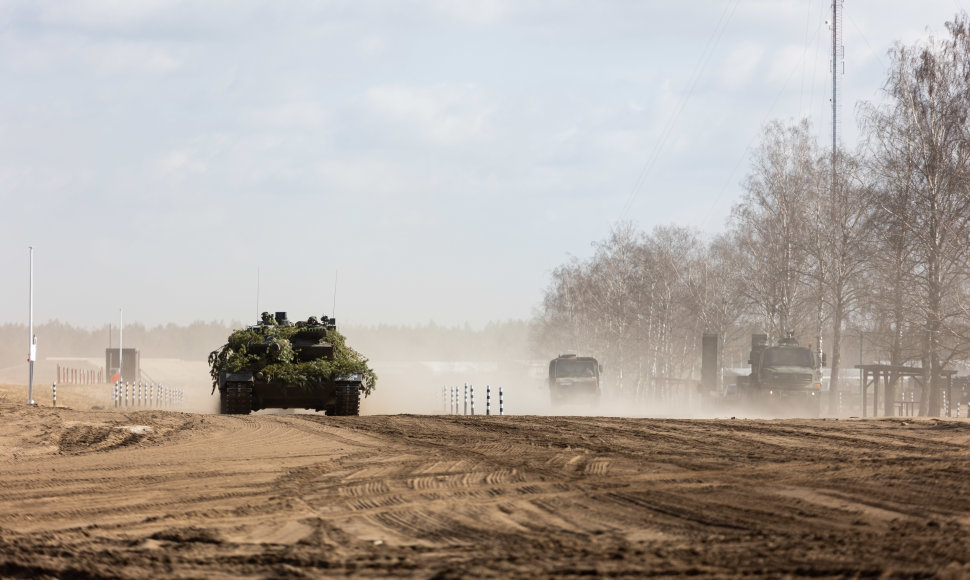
[[104, 494]]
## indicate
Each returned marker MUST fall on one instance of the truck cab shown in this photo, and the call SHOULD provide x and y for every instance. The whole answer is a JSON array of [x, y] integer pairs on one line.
[[784, 378], [573, 378]]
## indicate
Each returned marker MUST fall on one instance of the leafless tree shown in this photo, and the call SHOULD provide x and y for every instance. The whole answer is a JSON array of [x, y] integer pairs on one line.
[[841, 251], [921, 146], [635, 305], [772, 225]]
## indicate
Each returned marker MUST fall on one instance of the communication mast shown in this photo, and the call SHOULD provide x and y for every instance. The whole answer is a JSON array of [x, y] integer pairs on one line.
[[838, 58]]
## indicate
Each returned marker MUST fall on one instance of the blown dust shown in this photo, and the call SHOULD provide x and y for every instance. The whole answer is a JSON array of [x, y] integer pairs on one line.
[[95, 492]]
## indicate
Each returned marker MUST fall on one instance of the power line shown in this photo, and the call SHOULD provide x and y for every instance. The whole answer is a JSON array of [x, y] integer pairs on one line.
[[702, 63]]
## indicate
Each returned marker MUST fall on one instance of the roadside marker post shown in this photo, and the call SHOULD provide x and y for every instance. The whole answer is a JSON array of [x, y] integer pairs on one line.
[[54, 389], [465, 410], [472, 390], [488, 400], [501, 403]]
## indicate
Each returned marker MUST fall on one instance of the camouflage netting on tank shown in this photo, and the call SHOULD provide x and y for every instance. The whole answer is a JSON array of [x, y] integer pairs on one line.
[[268, 349]]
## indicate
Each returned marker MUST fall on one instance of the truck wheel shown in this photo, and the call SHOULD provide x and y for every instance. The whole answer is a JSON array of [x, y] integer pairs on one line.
[[348, 400]]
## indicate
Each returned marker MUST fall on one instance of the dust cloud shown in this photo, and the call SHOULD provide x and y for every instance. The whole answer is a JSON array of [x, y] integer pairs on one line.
[[419, 371], [420, 387]]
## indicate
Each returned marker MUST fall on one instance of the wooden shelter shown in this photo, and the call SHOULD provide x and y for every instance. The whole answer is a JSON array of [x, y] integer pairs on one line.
[[890, 375]]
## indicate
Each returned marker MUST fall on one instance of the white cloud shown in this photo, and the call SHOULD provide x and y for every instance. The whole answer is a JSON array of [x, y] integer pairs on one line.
[[297, 114], [101, 13], [122, 58], [182, 160], [371, 45], [477, 12], [794, 61], [567, 135], [444, 114], [740, 64]]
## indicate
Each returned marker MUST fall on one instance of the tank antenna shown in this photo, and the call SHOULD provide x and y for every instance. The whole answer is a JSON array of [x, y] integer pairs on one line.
[[333, 311]]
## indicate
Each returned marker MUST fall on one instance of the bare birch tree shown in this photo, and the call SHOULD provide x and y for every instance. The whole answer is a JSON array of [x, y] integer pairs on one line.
[[771, 224], [841, 252], [922, 147]]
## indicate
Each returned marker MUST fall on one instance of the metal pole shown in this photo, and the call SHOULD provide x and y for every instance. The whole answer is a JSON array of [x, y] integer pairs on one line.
[[465, 411], [501, 403], [32, 352], [488, 400], [472, 389], [54, 389], [121, 336]]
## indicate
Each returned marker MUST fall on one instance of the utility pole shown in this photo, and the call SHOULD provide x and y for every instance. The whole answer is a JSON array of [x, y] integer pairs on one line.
[[32, 352]]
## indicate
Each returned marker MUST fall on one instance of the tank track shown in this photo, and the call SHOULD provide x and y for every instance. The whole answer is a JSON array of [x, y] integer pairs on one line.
[[236, 399], [348, 400]]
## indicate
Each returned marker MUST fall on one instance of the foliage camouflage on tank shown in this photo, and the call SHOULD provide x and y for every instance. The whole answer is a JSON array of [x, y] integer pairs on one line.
[[268, 350]]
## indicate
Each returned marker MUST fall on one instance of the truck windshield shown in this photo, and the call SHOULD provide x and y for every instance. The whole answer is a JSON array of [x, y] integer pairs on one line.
[[574, 369], [788, 357]]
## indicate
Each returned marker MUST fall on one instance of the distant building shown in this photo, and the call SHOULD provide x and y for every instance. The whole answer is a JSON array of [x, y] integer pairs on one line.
[[130, 358]]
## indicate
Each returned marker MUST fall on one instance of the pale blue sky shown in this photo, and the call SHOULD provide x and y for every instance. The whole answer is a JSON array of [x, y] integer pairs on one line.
[[442, 157]]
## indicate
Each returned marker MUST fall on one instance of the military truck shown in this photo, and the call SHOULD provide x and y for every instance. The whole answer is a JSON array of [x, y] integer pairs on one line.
[[276, 364], [574, 379], [785, 378]]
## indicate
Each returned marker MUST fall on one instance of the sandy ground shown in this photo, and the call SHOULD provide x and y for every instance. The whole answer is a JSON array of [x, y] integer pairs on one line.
[[103, 493]]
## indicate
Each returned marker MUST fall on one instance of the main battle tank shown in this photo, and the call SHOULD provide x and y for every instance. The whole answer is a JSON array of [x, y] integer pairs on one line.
[[276, 364]]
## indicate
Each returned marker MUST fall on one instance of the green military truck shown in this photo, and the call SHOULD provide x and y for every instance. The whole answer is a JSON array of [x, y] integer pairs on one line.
[[785, 378], [574, 379]]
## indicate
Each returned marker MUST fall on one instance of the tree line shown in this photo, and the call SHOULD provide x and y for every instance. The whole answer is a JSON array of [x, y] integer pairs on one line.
[[869, 246], [508, 340]]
